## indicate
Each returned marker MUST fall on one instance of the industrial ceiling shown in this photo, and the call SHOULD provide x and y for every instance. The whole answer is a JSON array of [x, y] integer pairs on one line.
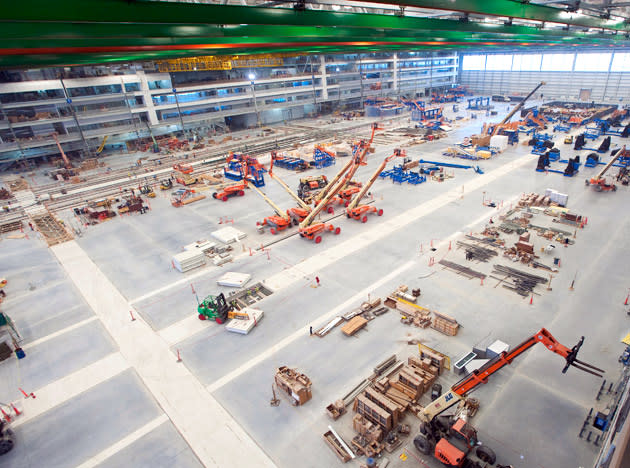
[[71, 32]]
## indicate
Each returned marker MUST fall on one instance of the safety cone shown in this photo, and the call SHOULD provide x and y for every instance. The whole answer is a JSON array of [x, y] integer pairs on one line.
[[173, 264], [531, 300], [192, 288], [24, 393], [15, 410], [481, 281], [431, 243], [179, 358], [626, 301], [133, 319], [220, 220], [449, 245], [250, 252], [6, 416], [585, 220]]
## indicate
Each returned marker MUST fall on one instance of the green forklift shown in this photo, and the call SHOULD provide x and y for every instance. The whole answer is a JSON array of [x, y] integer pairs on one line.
[[217, 308], [214, 308]]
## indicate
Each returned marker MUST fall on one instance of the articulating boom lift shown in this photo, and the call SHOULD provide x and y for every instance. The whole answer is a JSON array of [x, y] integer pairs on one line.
[[599, 181], [278, 222], [450, 439], [296, 213], [349, 169], [359, 212]]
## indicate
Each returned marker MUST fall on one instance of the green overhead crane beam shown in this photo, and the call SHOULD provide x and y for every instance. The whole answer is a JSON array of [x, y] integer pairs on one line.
[[521, 9], [67, 32]]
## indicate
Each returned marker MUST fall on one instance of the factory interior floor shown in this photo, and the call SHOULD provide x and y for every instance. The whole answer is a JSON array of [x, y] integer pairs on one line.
[[110, 391]]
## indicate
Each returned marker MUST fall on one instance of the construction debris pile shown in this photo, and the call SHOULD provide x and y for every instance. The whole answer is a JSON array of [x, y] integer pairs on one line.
[[380, 404], [418, 316], [354, 320], [294, 384]]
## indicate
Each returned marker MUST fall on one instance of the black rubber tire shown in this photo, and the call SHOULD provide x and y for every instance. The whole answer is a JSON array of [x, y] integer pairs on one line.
[[486, 454], [6, 442], [423, 445]]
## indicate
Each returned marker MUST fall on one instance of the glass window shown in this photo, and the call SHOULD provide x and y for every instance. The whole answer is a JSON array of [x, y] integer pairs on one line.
[[474, 62], [621, 62], [592, 62], [557, 62], [499, 62], [526, 62]]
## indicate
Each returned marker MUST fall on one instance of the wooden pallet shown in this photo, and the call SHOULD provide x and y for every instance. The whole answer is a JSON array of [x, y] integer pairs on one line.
[[53, 231], [10, 226]]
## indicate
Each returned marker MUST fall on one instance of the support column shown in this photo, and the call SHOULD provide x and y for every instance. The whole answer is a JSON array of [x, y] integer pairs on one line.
[[324, 76], [148, 100], [76, 120], [396, 84]]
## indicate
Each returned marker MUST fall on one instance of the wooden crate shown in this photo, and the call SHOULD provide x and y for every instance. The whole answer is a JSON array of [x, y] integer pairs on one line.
[[354, 325]]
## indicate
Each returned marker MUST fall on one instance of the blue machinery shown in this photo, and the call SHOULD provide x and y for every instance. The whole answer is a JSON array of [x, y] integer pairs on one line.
[[398, 174], [477, 169], [479, 103]]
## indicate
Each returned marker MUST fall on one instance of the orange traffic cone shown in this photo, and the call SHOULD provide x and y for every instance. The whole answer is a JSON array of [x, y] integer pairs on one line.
[[531, 300], [626, 302], [481, 281], [6, 416]]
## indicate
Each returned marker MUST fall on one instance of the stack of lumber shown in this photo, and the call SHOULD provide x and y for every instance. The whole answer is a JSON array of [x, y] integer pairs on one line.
[[354, 325], [533, 199], [445, 324]]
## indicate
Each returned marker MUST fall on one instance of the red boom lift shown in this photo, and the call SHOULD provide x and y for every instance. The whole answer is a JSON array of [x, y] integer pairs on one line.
[[450, 439], [359, 212]]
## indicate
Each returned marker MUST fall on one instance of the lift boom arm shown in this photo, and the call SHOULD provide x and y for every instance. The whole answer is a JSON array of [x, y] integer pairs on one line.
[[285, 186], [516, 109], [63, 155], [610, 163], [462, 388], [357, 198], [334, 190], [275, 207], [351, 166]]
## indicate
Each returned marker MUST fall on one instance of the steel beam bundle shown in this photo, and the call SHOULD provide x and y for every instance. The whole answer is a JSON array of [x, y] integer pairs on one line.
[[523, 283]]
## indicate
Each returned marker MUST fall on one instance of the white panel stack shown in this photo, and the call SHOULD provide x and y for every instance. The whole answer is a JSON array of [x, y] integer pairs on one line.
[[200, 246], [497, 348], [245, 326], [500, 142], [560, 198], [234, 280], [475, 364], [227, 235], [188, 260]]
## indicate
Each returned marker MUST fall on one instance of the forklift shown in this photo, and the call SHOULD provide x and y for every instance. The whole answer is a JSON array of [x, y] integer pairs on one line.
[[166, 184], [217, 308], [450, 438]]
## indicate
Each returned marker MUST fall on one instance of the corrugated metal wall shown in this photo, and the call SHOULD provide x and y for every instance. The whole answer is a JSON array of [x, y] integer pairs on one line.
[[604, 86]]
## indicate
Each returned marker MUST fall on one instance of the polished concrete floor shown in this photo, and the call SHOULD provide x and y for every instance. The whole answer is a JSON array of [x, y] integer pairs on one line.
[[530, 412]]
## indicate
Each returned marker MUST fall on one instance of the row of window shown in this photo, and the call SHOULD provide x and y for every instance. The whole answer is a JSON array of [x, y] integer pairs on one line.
[[587, 62]]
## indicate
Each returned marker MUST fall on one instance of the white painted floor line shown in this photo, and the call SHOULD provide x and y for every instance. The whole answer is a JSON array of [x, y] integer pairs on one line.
[[304, 331], [192, 409], [51, 336], [184, 329], [185, 280], [70, 386], [124, 442]]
